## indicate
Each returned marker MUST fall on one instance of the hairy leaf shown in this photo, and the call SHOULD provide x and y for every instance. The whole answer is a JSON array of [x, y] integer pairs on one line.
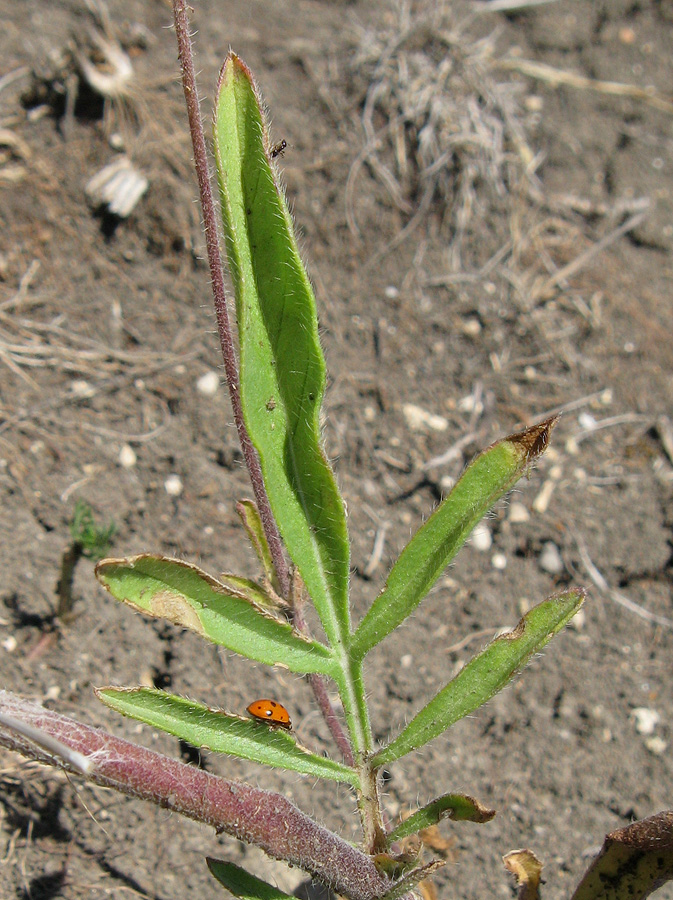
[[185, 595], [487, 478], [222, 732], [458, 807], [282, 366], [485, 675], [241, 884]]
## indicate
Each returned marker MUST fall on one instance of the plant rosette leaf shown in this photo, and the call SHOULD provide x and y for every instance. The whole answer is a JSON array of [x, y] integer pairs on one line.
[[243, 885], [185, 595], [485, 674], [282, 369], [486, 479], [222, 732], [458, 807]]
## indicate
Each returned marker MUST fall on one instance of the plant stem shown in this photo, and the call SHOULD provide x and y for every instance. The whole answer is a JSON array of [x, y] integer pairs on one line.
[[258, 817], [318, 682], [219, 294], [369, 804]]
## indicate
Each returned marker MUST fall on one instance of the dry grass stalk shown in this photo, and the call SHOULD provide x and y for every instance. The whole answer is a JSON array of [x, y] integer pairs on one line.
[[556, 77]]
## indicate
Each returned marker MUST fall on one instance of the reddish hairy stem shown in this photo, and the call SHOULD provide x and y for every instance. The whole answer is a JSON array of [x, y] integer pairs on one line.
[[258, 817], [319, 687], [318, 682], [219, 294]]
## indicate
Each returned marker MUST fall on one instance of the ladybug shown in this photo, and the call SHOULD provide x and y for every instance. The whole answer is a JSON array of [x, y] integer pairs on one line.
[[272, 712]]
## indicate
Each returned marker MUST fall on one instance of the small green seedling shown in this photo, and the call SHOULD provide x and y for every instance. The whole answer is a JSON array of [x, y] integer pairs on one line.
[[86, 539]]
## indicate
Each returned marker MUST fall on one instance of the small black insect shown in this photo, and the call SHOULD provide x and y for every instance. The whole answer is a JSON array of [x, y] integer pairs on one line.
[[278, 149]]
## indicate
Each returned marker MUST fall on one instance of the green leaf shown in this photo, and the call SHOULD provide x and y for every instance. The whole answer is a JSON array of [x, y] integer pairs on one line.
[[282, 366], [458, 807], [185, 595], [222, 732], [252, 592], [252, 522], [485, 674], [241, 884], [486, 479]]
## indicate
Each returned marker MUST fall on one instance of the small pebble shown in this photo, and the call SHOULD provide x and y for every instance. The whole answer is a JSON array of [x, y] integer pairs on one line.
[[481, 538], [173, 485], [471, 327], [586, 421], [541, 502], [578, 621], [646, 720], [391, 292], [406, 660], [446, 483], [81, 388], [10, 643], [53, 692], [499, 561], [518, 513], [550, 559], [208, 384], [127, 457], [656, 745], [419, 419]]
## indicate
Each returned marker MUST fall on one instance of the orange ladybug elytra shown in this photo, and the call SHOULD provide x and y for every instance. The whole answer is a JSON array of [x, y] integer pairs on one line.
[[272, 712]]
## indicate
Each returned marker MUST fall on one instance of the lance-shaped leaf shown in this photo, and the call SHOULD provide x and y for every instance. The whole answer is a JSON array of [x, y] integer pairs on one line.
[[185, 595], [241, 884], [224, 733], [486, 479], [282, 369], [252, 522], [485, 675], [458, 807]]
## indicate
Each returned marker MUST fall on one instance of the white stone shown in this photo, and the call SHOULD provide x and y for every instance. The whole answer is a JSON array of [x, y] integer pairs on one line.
[[656, 745], [127, 457], [518, 513], [499, 561], [586, 421], [482, 538], [550, 559], [419, 419], [173, 486], [646, 719], [208, 384], [81, 388]]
